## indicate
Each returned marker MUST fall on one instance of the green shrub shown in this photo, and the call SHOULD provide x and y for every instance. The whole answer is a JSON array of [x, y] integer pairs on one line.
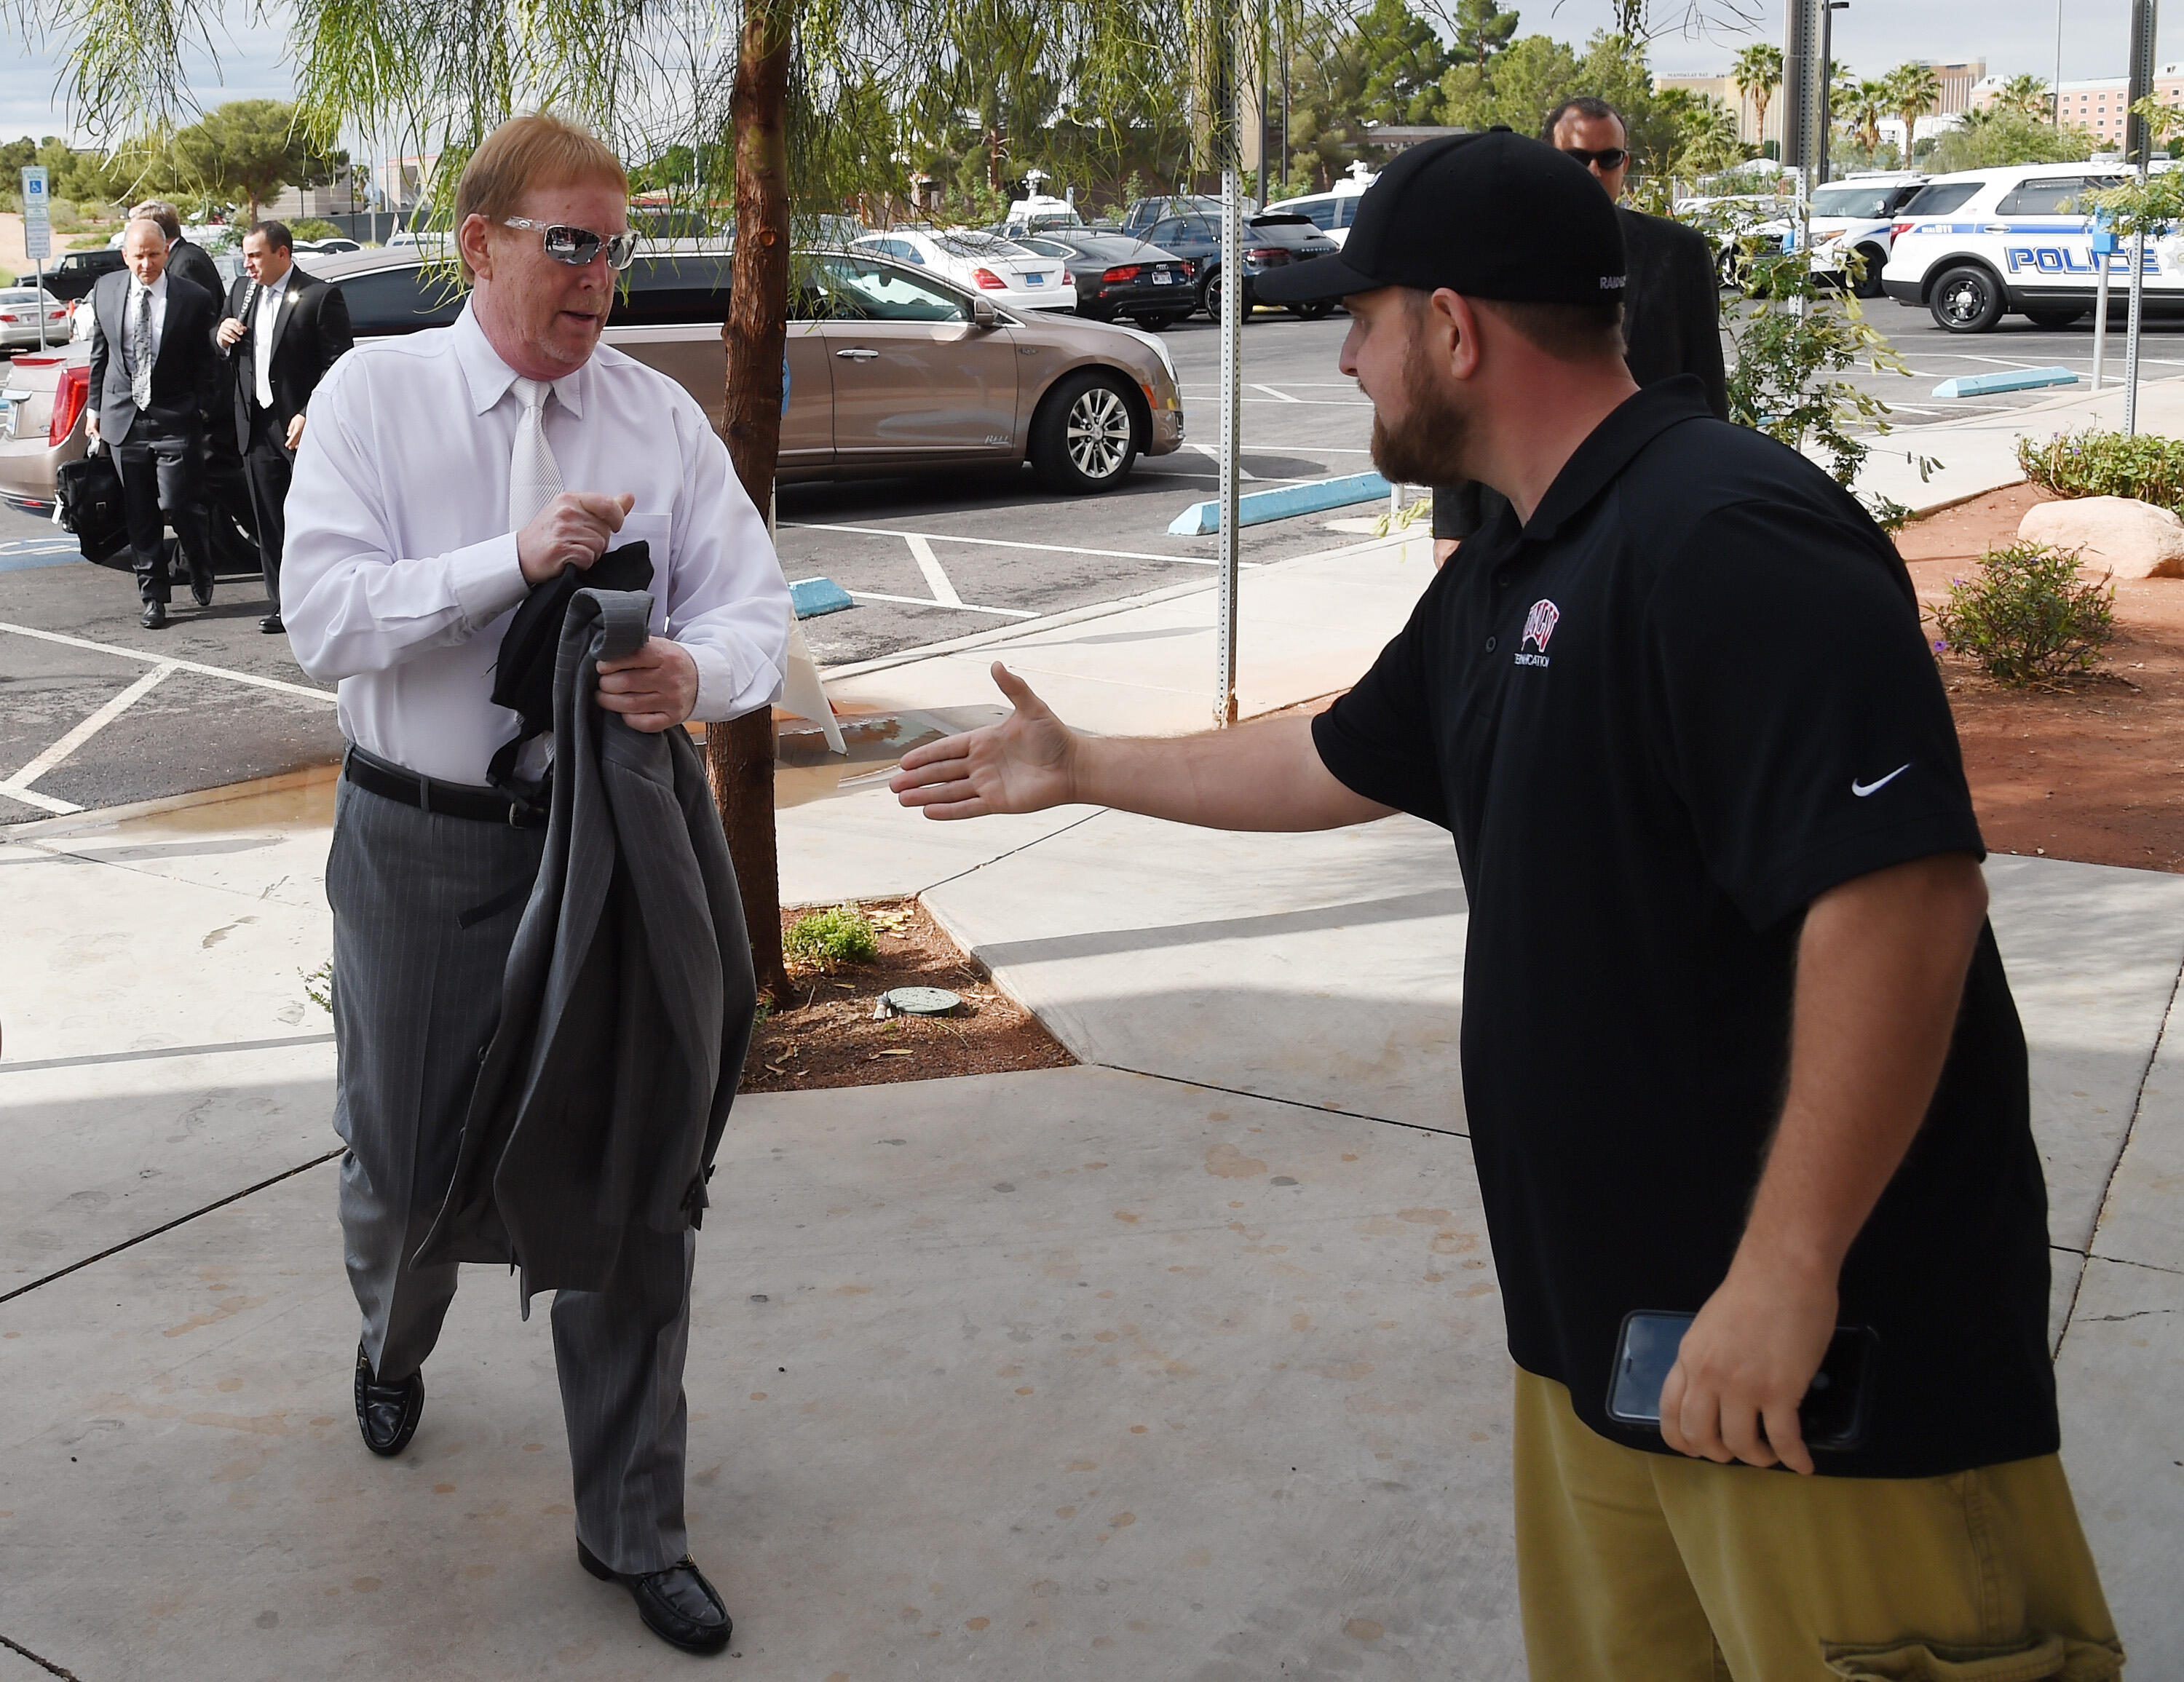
[[2027, 619], [314, 227], [2097, 464], [824, 939]]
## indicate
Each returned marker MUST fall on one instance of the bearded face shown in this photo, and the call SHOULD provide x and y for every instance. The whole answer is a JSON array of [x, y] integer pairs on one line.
[[1428, 442]]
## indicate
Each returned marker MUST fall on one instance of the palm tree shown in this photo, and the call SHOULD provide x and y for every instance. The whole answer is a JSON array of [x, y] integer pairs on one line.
[[1864, 103], [2027, 96], [1758, 72], [1914, 91]]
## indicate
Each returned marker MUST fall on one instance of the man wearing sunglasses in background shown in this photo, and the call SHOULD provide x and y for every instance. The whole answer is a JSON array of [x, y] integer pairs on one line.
[[443, 474], [1671, 301]]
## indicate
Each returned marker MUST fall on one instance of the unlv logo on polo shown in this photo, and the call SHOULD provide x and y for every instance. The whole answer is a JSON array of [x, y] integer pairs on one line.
[[1540, 624]]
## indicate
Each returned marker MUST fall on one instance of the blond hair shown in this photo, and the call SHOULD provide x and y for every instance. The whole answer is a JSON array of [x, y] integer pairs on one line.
[[537, 149]]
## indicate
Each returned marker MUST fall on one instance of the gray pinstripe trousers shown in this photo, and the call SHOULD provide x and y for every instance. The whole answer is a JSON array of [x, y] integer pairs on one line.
[[417, 986]]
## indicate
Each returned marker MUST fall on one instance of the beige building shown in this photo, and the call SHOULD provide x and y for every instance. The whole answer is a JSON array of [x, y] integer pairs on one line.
[[1959, 83], [340, 197]]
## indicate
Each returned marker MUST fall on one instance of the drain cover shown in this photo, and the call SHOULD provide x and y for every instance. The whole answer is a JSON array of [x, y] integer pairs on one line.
[[919, 1001]]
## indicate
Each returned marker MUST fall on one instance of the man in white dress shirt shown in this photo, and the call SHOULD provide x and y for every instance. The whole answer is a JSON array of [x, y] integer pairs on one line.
[[443, 476]]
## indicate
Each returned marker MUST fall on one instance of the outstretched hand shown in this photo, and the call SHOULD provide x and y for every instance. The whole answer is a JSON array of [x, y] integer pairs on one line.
[[1024, 764]]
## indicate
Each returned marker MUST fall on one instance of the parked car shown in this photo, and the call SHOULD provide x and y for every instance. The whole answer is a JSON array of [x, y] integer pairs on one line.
[[29, 318], [73, 274], [1271, 239], [1142, 213], [891, 369], [1857, 215], [1038, 213], [1972, 247], [1115, 275], [1008, 273], [1332, 212], [326, 247]]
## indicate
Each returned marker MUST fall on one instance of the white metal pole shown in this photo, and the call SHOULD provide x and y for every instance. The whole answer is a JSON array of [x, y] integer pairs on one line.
[[39, 308], [1232, 426], [2130, 350], [2100, 316]]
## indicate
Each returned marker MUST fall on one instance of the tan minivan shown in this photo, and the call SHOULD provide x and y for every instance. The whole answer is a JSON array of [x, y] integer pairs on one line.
[[889, 370]]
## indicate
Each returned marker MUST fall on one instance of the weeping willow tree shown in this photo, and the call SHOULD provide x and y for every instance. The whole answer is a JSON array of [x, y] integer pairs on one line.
[[788, 109]]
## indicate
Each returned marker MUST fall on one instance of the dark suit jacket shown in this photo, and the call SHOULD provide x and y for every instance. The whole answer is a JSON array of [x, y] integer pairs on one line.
[[1671, 325], [194, 264], [311, 333], [181, 375], [626, 1004]]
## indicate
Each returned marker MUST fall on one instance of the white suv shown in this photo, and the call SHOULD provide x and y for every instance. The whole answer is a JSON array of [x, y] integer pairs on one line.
[[1332, 212], [1856, 215], [1971, 248]]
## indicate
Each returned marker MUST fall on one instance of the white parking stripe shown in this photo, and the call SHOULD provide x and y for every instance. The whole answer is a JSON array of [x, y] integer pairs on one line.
[[1271, 391], [44, 803], [249, 677], [960, 606], [928, 563], [20, 782], [990, 543]]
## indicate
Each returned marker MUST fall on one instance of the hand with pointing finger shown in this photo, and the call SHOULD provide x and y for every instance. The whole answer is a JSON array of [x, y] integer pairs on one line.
[[1024, 764], [573, 530]]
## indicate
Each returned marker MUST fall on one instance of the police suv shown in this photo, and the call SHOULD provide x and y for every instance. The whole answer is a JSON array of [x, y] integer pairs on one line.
[[1971, 248]]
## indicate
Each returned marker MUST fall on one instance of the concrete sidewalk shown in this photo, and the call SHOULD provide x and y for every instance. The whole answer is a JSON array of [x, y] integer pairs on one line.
[[1186, 1362]]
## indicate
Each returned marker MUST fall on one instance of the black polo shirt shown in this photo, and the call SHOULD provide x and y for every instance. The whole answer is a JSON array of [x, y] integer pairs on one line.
[[1688, 697]]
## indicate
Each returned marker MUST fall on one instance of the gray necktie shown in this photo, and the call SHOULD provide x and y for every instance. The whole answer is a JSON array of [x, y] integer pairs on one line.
[[140, 371], [534, 478]]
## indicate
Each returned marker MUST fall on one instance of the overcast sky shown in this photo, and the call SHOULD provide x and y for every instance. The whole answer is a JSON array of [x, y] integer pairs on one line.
[[2013, 36]]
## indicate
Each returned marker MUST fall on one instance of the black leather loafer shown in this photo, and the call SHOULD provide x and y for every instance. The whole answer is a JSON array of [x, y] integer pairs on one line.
[[388, 1414], [201, 588], [678, 1605], [271, 625], [154, 616]]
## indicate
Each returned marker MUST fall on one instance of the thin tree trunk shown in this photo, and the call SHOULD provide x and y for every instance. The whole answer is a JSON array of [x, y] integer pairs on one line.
[[740, 755]]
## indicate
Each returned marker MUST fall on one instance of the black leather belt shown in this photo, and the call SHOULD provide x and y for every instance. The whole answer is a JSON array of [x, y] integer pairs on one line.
[[429, 794]]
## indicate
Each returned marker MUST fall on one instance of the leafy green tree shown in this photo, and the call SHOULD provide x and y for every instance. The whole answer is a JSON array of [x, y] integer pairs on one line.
[[2028, 96], [1867, 103], [249, 149], [1757, 73], [1537, 72], [1482, 28], [2003, 137], [1710, 137]]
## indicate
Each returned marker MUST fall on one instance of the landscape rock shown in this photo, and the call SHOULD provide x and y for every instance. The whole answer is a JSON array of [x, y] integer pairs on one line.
[[2119, 535]]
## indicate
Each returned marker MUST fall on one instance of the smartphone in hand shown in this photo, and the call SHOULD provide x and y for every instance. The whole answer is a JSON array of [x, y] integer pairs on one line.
[[1836, 1412]]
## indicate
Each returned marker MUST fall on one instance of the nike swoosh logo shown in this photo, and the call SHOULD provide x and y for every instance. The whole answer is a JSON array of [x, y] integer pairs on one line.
[[1862, 789]]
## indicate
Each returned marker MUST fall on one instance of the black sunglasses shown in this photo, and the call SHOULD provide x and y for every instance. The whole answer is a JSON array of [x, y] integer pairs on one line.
[[1608, 157], [579, 246]]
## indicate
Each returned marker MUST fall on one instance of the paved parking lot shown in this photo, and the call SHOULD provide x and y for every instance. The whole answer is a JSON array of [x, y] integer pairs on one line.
[[95, 711]]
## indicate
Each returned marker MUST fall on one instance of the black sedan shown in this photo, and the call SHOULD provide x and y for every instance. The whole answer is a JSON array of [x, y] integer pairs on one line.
[[1118, 276], [1271, 239]]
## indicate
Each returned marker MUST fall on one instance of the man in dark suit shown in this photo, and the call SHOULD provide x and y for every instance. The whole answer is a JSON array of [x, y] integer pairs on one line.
[[1671, 300], [283, 329], [152, 365]]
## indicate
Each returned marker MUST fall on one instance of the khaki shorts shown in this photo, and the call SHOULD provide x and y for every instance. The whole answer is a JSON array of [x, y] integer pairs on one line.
[[1645, 1567]]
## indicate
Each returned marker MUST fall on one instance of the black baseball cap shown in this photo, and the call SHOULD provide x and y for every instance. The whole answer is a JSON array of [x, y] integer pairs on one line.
[[1496, 215]]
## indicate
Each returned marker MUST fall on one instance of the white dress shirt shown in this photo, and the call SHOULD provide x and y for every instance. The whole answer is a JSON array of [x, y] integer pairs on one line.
[[270, 300], [401, 572], [130, 307]]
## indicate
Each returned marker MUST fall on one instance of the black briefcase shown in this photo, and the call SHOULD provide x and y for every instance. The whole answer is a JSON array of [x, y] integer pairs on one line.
[[89, 492]]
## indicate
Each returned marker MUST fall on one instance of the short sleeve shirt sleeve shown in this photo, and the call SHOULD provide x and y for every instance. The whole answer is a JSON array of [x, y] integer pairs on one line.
[[1378, 740], [1796, 709]]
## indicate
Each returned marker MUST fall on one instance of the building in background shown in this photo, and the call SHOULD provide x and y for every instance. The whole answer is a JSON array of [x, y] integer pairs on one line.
[[1959, 84], [402, 180], [344, 195], [2100, 103]]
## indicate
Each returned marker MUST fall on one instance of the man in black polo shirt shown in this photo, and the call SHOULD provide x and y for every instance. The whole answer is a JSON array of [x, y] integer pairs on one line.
[[1736, 1037]]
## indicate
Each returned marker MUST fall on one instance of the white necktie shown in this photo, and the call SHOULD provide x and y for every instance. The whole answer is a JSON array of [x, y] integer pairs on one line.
[[140, 372], [534, 478]]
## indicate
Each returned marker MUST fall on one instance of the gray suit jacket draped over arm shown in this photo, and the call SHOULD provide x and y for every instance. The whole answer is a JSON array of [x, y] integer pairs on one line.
[[627, 1001]]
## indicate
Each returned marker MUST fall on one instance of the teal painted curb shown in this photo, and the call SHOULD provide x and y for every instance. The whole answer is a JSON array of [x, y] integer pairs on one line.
[[2010, 380], [812, 597], [1256, 507]]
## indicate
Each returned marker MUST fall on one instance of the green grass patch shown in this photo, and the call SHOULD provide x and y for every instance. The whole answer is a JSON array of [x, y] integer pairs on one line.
[[842, 934]]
